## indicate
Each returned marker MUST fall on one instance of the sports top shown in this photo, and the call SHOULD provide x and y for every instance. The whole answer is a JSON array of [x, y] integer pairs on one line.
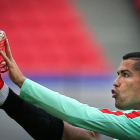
[[116, 124]]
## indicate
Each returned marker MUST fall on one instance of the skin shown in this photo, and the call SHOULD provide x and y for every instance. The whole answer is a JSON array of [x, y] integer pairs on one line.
[[127, 86], [76, 133], [70, 132]]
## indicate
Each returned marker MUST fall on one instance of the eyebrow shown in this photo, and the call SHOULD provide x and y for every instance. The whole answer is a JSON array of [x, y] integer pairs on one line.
[[122, 71]]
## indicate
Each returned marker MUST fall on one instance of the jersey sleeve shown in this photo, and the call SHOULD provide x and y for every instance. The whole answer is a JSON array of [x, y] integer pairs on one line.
[[117, 124]]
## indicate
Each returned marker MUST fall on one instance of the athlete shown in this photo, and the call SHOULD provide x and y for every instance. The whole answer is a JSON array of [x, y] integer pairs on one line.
[[123, 125]]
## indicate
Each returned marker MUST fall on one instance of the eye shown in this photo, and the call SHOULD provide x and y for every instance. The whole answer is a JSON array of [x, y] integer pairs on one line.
[[125, 75]]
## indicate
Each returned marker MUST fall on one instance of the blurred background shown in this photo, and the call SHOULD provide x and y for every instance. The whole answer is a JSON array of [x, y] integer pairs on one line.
[[71, 46]]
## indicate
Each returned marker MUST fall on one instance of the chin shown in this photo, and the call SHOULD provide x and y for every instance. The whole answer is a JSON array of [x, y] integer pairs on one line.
[[122, 107], [119, 106]]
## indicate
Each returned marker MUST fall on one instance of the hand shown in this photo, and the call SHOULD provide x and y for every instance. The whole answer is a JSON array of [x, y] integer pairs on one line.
[[13, 71], [75, 133]]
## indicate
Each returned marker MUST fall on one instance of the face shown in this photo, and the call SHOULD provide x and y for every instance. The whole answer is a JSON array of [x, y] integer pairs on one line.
[[127, 86]]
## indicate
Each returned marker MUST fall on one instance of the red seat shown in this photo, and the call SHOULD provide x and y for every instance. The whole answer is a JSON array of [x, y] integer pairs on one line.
[[50, 37]]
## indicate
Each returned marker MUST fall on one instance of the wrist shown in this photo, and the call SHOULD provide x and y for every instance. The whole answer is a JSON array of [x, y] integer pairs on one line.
[[21, 81]]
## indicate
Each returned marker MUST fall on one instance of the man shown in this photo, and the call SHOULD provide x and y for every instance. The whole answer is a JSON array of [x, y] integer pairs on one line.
[[120, 125]]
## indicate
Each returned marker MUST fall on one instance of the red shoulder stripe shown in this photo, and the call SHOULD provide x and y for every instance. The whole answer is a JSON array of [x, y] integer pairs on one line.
[[131, 115]]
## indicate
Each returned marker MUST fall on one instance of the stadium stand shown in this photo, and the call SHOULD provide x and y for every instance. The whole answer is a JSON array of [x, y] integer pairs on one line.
[[51, 37]]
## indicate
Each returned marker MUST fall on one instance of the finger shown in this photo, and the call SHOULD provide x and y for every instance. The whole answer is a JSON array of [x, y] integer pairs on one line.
[[5, 58], [7, 48]]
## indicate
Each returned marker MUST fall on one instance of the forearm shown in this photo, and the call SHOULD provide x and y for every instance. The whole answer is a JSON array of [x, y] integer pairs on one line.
[[52, 102]]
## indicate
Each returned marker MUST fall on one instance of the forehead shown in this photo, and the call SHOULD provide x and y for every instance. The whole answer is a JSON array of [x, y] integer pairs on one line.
[[127, 65]]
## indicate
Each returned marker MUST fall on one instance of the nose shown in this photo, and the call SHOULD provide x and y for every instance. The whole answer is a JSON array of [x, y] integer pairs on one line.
[[116, 82]]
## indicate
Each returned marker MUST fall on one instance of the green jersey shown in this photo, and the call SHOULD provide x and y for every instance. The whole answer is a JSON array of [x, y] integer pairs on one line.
[[116, 124]]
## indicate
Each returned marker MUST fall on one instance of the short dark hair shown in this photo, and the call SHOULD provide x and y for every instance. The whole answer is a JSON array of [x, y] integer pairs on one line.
[[134, 56]]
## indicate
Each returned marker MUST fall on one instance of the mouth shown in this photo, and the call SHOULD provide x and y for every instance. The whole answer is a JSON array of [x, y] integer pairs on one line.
[[114, 93]]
